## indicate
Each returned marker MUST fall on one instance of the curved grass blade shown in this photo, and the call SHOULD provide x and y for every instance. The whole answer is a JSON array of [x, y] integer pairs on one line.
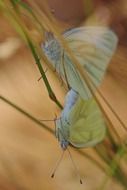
[[14, 16]]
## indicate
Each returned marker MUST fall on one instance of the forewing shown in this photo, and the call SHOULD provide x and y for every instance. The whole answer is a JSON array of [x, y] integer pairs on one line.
[[93, 47]]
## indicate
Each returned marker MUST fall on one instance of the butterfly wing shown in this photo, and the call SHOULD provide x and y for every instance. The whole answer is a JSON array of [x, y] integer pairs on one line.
[[93, 47], [87, 125]]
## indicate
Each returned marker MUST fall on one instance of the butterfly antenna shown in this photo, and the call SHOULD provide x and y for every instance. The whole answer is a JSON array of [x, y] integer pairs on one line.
[[57, 164], [51, 120], [75, 167]]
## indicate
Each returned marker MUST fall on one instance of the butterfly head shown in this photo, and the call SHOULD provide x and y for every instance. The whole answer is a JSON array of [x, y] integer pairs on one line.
[[62, 133], [64, 144]]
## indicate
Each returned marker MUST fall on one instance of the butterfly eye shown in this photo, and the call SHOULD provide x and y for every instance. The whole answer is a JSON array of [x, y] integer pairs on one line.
[[67, 121], [64, 144]]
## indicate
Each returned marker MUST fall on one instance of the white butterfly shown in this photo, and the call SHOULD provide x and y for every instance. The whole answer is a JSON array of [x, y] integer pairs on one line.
[[81, 123]]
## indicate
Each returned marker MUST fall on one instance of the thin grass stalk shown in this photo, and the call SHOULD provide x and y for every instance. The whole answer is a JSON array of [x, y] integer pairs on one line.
[[114, 165], [22, 28], [104, 152], [94, 161], [118, 175], [81, 70], [106, 104], [100, 150], [114, 144], [37, 59], [26, 114], [45, 127], [86, 78]]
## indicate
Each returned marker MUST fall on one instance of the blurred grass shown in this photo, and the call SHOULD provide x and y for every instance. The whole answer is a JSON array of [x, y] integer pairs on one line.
[[111, 151]]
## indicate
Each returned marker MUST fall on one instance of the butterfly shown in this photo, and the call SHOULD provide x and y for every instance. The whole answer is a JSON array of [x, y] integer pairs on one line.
[[81, 123]]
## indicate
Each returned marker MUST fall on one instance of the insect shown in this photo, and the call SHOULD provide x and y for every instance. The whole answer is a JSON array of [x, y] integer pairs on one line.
[[93, 48], [81, 123]]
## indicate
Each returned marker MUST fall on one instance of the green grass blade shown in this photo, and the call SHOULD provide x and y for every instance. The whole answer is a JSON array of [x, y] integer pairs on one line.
[[26, 114]]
